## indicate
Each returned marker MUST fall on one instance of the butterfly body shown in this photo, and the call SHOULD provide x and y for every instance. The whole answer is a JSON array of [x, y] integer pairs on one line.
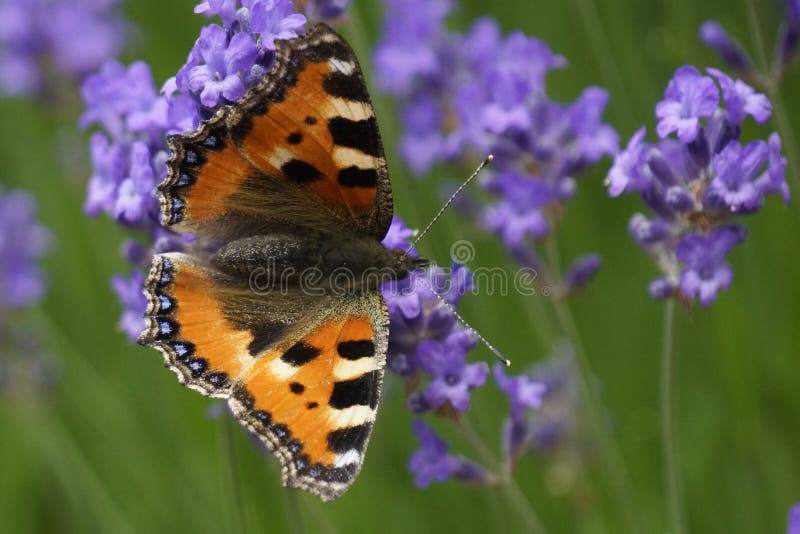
[[285, 320], [324, 264]]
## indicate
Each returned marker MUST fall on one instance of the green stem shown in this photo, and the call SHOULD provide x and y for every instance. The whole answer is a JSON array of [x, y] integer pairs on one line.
[[668, 439], [509, 486], [787, 133], [231, 477], [296, 523], [618, 477]]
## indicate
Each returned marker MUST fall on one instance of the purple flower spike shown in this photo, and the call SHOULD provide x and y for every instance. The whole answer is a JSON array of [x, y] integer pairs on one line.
[[483, 92], [41, 39], [223, 63], [129, 292], [431, 463], [734, 186], [694, 184], [793, 520], [789, 36], [326, 9], [273, 20], [23, 243], [629, 172], [582, 271], [714, 35], [689, 97], [522, 392], [407, 51], [136, 194], [661, 288], [774, 180], [704, 257], [451, 377], [742, 100], [224, 9], [399, 235]]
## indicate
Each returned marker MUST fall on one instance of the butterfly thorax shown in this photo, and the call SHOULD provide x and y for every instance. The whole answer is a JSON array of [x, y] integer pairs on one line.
[[321, 264]]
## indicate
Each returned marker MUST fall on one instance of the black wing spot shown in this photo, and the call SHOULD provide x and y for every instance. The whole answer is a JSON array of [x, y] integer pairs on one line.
[[355, 350], [361, 391], [345, 439], [325, 50], [300, 171], [295, 138], [311, 121], [300, 354], [348, 86], [355, 177], [312, 405], [361, 135], [297, 388]]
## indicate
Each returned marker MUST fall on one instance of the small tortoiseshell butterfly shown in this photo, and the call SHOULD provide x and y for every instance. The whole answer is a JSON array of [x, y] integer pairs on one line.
[[290, 178]]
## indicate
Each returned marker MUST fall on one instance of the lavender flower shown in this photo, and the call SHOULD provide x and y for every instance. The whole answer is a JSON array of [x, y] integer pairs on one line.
[[451, 377], [221, 62], [129, 160], [483, 92], [696, 183], [432, 463], [581, 272], [419, 311], [545, 413], [225, 62], [793, 520], [522, 392], [704, 257], [23, 243], [130, 294], [714, 35], [74, 36], [731, 52], [317, 10], [689, 97]]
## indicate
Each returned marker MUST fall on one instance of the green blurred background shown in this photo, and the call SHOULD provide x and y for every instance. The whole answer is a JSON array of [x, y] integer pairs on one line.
[[119, 446]]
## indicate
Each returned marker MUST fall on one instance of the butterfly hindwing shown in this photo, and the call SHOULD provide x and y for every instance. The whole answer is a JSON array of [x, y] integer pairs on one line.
[[312, 399], [309, 388], [188, 325], [304, 142]]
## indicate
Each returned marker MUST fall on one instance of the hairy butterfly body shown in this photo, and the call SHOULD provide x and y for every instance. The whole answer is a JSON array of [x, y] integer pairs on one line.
[[284, 320]]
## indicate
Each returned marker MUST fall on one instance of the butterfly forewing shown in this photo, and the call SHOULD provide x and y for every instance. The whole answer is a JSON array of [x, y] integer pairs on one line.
[[307, 135]]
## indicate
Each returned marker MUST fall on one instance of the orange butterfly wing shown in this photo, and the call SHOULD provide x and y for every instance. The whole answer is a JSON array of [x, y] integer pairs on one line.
[[313, 400], [310, 395], [300, 150]]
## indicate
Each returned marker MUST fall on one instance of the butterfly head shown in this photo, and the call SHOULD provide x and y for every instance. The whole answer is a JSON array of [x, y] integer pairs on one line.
[[368, 262]]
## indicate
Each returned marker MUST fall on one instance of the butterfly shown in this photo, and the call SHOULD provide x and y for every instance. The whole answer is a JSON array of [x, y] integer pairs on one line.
[[289, 180]]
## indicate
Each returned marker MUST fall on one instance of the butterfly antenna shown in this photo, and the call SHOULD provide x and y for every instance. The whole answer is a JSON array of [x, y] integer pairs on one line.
[[450, 200], [499, 355]]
